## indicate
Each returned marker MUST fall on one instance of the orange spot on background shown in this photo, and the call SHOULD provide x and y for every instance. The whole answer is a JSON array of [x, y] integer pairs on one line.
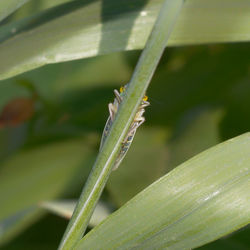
[[16, 112]]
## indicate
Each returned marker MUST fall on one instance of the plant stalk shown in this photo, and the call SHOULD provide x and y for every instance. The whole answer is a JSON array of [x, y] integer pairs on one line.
[[102, 168]]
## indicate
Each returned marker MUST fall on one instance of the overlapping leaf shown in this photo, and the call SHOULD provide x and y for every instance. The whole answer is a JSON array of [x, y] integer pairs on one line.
[[9, 6], [42, 173], [80, 29], [198, 202]]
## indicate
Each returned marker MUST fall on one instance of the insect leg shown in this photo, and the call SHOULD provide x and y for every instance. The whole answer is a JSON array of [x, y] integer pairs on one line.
[[112, 111], [140, 121], [118, 96]]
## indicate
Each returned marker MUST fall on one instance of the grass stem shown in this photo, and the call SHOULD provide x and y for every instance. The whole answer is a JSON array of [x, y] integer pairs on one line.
[[143, 73]]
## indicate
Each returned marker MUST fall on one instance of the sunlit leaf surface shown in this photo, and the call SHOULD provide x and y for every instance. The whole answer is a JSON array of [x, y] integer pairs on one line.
[[65, 208], [9, 6], [198, 202], [80, 29]]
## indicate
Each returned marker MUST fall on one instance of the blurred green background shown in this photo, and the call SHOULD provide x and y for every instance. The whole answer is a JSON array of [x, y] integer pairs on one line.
[[199, 95]]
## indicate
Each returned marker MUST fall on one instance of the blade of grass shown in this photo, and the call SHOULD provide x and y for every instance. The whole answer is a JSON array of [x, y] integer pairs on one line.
[[9, 6], [136, 90], [65, 208], [76, 30], [17, 223], [199, 201]]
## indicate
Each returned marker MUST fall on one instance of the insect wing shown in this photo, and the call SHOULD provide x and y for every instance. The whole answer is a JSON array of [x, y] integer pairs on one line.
[[106, 131], [138, 120], [124, 149]]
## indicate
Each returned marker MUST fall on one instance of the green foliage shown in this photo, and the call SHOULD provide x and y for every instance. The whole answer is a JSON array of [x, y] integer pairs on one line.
[[36, 169], [199, 97], [199, 201], [80, 29], [9, 6]]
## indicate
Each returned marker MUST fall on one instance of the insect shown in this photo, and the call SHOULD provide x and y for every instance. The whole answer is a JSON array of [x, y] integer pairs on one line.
[[138, 120]]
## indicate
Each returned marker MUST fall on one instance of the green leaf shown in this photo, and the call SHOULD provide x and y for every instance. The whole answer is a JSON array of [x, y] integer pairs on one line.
[[203, 199], [150, 149], [33, 7], [81, 29], [17, 223], [66, 78], [131, 105], [43, 173], [65, 208], [9, 6]]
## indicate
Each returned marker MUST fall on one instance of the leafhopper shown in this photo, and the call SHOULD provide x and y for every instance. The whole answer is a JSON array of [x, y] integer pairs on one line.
[[138, 120]]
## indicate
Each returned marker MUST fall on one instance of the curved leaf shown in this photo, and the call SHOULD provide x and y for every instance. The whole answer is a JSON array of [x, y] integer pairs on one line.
[[17, 223], [198, 202], [9, 6], [81, 29], [42, 173], [65, 208], [150, 149]]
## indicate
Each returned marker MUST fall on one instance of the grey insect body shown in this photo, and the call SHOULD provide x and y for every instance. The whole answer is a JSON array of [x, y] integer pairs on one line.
[[138, 120]]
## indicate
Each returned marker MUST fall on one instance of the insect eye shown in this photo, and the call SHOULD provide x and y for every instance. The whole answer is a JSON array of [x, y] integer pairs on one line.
[[121, 89], [145, 98]]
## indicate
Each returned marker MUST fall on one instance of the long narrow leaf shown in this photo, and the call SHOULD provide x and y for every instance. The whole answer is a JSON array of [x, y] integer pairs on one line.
[[9, 6], [198, 202], [81, 29], [15, 224], [41, 173], [65, 208]]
